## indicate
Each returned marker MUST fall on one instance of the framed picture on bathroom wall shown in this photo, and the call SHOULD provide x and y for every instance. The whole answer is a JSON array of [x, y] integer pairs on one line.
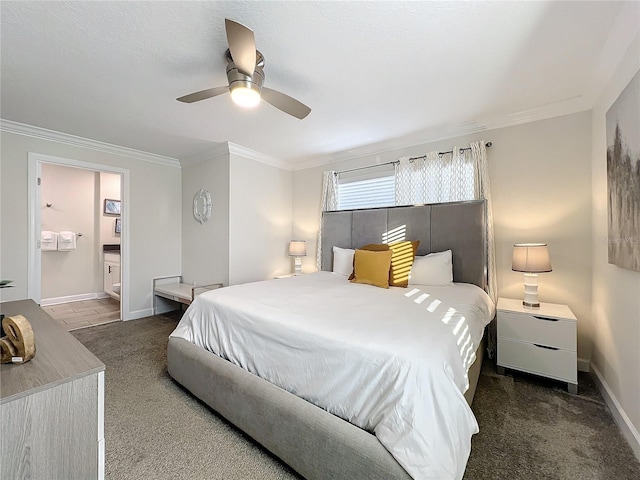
[[118, 225], [111, 207]]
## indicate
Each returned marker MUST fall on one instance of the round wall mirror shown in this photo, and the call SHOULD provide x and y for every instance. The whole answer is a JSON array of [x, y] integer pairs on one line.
[[202, 206]]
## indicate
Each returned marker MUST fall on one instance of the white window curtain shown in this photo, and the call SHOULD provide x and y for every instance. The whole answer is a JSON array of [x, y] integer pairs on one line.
[[482, 188], [328, 203], [435, 178], [457, 176]]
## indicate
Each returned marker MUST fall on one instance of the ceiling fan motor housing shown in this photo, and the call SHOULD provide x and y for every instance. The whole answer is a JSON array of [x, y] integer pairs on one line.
[[240, 80]]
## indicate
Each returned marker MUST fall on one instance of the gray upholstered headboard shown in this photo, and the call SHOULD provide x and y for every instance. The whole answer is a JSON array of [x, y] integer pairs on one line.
[[458, 226]]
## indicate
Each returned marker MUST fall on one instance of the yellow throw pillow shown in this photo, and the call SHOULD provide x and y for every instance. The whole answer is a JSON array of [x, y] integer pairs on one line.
[[374, 247], [403, 254], [372, 268]]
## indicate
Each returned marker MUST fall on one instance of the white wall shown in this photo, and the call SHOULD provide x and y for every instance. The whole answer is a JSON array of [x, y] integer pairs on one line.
[[260, 219], [205, 247], [541, 185], [250, 228], [616, 291], [71, 193], [154, 214]]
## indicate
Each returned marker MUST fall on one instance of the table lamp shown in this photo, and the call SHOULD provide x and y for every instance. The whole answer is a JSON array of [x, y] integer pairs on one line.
[[297, 249], [532, 259]]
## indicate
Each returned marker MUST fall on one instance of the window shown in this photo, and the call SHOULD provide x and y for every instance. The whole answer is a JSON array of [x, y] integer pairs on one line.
[[367, 193], [433, 178]]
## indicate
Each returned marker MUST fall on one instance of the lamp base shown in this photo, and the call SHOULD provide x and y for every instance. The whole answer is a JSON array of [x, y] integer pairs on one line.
[[297, 266], [531, 291]]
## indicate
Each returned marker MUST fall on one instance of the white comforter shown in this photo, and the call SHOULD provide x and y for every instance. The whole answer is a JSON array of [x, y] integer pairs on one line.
[[393, 362]]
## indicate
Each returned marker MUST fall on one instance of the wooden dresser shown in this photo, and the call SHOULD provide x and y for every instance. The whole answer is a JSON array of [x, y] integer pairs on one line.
[[52, 407]]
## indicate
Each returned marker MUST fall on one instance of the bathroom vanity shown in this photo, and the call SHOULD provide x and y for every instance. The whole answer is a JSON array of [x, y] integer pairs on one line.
[[111, 272]]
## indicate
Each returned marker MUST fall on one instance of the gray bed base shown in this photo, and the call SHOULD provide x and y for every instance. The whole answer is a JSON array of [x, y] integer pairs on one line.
[[315, 443]]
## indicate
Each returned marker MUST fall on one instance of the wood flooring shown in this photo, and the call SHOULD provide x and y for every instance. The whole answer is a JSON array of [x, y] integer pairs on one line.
[[86, 313]]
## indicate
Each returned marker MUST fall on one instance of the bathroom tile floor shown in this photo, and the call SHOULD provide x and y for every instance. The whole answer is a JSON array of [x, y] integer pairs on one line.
[[86, 313]]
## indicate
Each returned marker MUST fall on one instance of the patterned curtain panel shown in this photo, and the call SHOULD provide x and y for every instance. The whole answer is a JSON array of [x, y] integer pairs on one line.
[[435, 178], [483, 190], [451, 177], [328, 203]]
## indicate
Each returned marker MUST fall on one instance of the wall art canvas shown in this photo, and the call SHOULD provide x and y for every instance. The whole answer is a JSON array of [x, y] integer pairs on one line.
[[623, 177], [111, 207]]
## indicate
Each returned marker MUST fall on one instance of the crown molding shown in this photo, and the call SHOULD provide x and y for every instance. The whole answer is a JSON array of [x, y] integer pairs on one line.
[[245, 152], [560, 108], [219, 150], [65, 138], [229, 148]]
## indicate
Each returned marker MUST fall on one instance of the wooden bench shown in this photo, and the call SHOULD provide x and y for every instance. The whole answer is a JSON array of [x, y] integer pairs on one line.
[[169, 290]]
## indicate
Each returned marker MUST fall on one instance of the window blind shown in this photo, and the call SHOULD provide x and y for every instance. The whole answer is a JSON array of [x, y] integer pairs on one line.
[[368, 193]]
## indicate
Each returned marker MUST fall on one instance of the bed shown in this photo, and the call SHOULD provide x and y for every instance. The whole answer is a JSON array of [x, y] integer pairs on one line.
[[315, 441]]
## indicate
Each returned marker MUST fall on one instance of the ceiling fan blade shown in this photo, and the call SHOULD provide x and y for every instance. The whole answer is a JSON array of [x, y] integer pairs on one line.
[[203, 95], [242, 45], [285, 103]]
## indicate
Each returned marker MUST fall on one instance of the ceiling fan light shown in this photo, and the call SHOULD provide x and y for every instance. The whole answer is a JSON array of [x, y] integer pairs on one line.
[[245, 97]]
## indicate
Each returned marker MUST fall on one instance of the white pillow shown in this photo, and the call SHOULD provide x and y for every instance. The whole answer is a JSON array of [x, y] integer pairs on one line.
[[432, 269], [343, 261]]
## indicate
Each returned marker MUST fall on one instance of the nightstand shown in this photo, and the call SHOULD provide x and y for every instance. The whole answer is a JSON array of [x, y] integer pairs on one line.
[[541, 340]]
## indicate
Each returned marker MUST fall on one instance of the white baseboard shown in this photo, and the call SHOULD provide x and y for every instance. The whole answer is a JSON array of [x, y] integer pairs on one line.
[[628, 430], [145, 312], [45, 302], [583, 365]]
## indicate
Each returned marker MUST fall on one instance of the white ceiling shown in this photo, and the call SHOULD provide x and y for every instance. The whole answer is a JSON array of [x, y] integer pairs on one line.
[[372, 72]]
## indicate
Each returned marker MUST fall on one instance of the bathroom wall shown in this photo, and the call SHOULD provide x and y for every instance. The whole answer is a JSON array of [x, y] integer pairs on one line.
[[71, 194], [109, 187]]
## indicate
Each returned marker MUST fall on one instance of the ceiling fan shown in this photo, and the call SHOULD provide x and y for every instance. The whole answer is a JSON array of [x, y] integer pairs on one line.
[[246, 75]]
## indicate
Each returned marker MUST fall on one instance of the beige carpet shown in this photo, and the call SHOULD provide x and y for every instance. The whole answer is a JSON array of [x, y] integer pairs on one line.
[[529, 429]]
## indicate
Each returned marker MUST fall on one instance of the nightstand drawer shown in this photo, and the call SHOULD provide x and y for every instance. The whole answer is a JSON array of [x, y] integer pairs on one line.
[[528, 357], [533, 328]]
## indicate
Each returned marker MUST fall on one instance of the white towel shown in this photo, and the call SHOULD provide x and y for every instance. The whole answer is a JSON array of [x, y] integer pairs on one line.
[[48, 240], [66, 241]]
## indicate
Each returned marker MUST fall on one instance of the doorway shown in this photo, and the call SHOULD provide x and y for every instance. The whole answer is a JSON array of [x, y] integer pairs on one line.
[[87, 204]]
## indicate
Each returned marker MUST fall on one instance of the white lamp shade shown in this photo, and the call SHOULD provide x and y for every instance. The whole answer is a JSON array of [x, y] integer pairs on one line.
[[297, 248], [531, 258]]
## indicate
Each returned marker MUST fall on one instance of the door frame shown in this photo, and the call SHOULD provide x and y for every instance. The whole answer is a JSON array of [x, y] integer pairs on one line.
[[35, 161]]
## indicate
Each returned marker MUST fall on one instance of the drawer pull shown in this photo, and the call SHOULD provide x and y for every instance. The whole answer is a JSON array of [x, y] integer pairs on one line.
[[545, 318], [544, 346]]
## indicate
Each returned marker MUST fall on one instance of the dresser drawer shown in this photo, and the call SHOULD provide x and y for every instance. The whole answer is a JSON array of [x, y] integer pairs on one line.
[[528, 357], [532, 328]]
